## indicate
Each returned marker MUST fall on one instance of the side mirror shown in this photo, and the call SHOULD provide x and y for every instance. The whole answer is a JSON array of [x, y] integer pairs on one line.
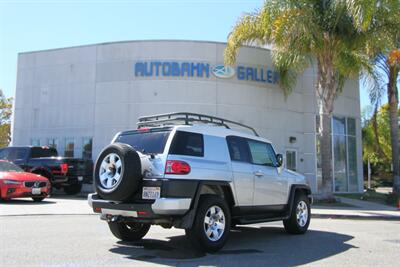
[[279, 160]]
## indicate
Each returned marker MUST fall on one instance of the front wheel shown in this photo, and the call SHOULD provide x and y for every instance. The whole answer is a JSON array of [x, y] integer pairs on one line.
[[299, 219], [128, 231], [38, 199], [212, 224]]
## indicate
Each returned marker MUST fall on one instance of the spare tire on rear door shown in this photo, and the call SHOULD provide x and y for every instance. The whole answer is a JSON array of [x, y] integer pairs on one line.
[[118, 172]]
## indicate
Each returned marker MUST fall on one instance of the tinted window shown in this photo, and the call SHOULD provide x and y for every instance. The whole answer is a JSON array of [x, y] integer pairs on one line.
[[13, 153], [262, 153], [189, 144], [9, 167], [238, 149], [152, 142], [43, 152]]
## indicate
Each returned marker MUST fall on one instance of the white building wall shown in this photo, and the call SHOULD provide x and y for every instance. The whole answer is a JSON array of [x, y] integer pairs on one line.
[[91, 91]]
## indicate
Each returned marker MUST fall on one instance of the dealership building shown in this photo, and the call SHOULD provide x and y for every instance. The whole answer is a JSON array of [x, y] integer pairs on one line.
[[78, 98]]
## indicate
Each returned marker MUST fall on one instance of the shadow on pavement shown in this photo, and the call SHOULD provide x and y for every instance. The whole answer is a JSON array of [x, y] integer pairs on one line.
[[25, 201], [270, 245]]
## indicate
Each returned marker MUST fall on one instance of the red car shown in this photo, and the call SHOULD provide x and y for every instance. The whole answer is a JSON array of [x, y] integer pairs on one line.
[[15, 183]]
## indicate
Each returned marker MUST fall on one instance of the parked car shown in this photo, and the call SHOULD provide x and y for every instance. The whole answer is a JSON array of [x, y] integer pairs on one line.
[[204, 178], [15, 183], [66, 173]]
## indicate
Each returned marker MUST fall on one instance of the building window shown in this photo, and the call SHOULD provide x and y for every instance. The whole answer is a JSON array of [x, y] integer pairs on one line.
[[87, 148], [69, 147], [344, 155], [35, 142], [291, 160]]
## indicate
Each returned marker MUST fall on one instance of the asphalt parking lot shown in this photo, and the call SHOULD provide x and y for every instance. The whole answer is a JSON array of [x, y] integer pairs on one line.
[[82, 239]]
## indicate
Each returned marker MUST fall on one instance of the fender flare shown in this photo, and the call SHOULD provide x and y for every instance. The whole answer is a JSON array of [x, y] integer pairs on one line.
[[187, 221], [295, 188]]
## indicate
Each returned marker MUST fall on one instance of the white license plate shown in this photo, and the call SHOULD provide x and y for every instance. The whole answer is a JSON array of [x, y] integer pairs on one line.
[[151, 192], [35, 191], [80, 178]]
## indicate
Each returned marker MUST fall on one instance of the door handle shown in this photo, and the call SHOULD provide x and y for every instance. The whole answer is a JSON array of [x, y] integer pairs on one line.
[[258, 173]]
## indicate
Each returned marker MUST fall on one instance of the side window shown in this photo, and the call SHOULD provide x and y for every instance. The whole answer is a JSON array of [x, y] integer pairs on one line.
[[188, 144], [4, 153], [262, 153], [238, 149], [15, 153]]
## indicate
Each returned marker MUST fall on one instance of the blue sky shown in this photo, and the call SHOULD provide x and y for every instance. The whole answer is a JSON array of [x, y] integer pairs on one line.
[[28, 25]]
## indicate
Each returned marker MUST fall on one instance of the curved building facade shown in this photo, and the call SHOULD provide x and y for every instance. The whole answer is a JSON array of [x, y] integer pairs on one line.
[[77, 98]]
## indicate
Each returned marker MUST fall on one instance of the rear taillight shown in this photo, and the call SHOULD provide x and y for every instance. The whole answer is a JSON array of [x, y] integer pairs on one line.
[[64, 168], [176, 167]]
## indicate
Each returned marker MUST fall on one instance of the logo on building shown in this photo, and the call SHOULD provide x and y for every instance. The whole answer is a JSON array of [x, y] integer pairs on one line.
[[221, 71], [203, 70]]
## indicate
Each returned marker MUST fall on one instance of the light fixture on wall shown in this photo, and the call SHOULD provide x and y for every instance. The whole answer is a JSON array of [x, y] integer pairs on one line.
[[292, 139]]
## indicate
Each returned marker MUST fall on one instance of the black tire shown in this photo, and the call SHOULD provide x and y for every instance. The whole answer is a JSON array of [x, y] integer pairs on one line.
[[73, 189], [131, 173], [128, 231], [38, 199], [197, 234], [291, 224]]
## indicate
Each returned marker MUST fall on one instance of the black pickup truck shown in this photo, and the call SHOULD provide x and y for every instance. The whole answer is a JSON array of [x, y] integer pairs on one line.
[[66, 173]]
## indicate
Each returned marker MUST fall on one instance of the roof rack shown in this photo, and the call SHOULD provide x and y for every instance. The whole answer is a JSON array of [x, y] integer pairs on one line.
[[177, 118]]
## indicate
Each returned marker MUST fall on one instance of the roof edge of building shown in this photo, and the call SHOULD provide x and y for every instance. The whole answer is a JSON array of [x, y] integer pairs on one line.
[[138, 41]]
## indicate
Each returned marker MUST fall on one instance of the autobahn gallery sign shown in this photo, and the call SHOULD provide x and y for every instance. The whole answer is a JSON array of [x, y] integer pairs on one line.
[[203, 70]]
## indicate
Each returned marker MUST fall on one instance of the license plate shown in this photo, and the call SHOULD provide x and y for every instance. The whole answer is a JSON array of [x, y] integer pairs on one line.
[[35, 191], [80, 178], [151, 192]]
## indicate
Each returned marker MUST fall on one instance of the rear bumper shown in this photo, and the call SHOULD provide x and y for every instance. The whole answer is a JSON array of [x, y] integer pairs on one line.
[[160, 208]]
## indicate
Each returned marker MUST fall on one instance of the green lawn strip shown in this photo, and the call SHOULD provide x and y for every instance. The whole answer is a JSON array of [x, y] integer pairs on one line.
[[372, 196], [331, 204]]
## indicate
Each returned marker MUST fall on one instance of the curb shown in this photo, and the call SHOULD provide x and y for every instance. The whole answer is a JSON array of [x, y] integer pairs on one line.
[[356, 217]]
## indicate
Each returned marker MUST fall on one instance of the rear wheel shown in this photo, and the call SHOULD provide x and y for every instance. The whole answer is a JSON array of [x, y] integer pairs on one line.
[[128, 231], [212, 224], [299, 219], [73, 189], [38, 199]]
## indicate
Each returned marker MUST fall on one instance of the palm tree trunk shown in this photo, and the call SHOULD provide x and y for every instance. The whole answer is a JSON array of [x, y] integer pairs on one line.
[[326, 91], [326, 156], [376, 134], [394, 127]]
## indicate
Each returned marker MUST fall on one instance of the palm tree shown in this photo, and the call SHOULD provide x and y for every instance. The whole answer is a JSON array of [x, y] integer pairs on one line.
[[384, 79], [331, 34]]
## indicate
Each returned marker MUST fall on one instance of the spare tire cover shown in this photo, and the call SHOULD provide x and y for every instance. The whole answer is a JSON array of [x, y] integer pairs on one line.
[[118, 172]]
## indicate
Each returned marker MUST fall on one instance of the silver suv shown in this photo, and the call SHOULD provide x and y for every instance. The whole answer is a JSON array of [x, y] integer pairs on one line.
[[192, 171]]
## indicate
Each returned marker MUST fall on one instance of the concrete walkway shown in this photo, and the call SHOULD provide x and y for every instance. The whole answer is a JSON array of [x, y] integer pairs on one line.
[[356, 209]]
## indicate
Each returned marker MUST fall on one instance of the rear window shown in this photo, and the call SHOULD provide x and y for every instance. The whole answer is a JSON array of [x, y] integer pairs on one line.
[[43, 152], [152, 142], [188, 144]]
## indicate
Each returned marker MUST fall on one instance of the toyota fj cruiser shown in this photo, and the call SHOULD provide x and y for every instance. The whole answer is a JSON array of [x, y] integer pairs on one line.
[[185, 170]]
